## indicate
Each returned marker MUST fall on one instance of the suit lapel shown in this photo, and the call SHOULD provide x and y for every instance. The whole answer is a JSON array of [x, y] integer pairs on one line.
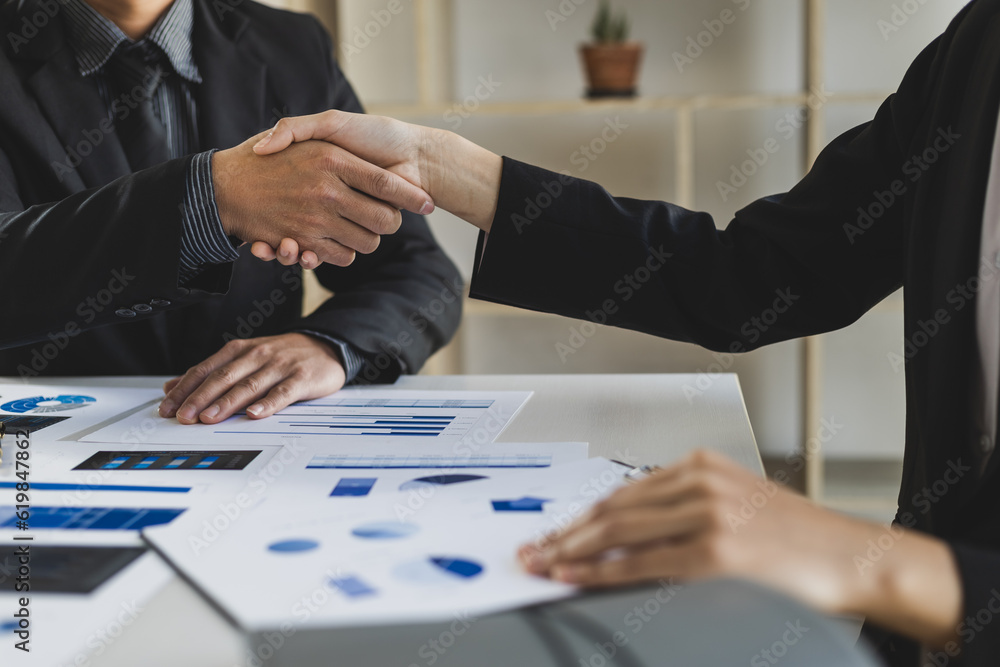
[[73, 108], [231, 97]]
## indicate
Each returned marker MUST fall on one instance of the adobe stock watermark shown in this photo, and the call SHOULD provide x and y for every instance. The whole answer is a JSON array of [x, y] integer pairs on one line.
[[923, 501], [697, 43], [899, 16], [31, 25], [635, 621], [563, 11], [751, 330], [456, 115], [435, 647], [784, 129], [360, 37], [791, 633], [957, 298], [121, 107], [751, 505], [581, 158], [913, 169], [626, 288], [87, 311], [99, 641]]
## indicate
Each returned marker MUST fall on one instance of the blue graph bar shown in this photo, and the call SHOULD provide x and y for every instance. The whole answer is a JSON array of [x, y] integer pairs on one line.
[[59, 486], [354, 486], [146, 462], [116, 462], [91, 518], [206, 462], [177, 462], [343, 461], [352, 587], [401, 403]]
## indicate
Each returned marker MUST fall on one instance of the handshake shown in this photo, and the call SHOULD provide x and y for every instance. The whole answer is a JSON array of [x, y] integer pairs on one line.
[[323, 188]]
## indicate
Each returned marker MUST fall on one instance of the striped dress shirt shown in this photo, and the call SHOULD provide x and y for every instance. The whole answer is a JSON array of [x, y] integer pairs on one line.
[[94, 40]]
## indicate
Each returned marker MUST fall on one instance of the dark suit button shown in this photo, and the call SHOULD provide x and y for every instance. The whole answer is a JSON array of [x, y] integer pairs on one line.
[[159, 303], [125, 312], [142, 308]]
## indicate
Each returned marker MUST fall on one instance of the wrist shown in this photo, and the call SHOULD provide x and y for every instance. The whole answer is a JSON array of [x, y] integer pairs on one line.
[[463, 177], [914, 588], [222, 182]]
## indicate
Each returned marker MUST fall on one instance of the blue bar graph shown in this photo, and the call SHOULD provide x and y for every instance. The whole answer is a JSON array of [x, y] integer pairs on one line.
[[417, 461], [146, 462], [206, 462], [177, 462], [354, 486], [91, 518], [61, 486], [115, 462], [352, 587]]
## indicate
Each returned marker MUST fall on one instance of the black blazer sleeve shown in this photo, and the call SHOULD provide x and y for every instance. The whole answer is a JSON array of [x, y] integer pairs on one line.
[[789, 265], [74, 262], [399, 304]]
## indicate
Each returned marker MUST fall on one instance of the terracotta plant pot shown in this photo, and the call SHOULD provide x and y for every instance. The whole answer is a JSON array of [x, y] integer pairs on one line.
[[612, 69]]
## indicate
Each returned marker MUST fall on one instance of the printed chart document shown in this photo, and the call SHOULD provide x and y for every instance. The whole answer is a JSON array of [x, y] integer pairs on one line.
[[380, 560], [391, 469], [370, 415], [50, 413]]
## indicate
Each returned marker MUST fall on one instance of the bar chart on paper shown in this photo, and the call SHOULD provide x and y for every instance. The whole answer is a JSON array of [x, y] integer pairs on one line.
[[369, 415]]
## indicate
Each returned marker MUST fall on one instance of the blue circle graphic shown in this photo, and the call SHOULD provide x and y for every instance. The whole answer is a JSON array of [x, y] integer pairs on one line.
[[293, 546], [38, 404]]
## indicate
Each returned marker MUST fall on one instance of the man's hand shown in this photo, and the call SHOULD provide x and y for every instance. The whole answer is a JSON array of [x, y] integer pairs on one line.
[[266, 374], [459, 176], [707, 516], [331, 202]]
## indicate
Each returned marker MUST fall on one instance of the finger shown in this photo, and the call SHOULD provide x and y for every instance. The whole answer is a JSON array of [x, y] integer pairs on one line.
[[661, 561], [309, 260], [301, 128], [263, 251], [664, 488], [169, 385], [383, 185], [196, 375], [217, 383], [626, 529], [332, 252], [288, 252], [368, 218], [278, 398], [245, 391]]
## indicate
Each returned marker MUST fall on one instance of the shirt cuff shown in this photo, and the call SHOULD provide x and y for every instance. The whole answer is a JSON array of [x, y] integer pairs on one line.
[[203, 240], [351, 359]]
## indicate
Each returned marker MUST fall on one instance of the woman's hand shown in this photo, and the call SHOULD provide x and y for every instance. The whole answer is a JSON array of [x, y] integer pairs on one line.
[[460, 176], [707, 516]]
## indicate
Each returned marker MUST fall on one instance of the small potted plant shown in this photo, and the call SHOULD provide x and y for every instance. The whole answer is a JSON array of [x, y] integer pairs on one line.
[[611, 61]]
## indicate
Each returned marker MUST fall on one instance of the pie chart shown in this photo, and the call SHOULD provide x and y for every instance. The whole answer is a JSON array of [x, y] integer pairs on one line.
[[437, 480], [385, 530], [438, 571], [37, 404]]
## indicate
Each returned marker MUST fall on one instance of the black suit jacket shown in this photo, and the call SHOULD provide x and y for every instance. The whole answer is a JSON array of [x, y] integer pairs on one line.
[[895, 202], [81, 237]]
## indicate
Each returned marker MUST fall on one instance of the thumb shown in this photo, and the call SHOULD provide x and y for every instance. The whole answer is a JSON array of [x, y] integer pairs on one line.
[[301, 128]]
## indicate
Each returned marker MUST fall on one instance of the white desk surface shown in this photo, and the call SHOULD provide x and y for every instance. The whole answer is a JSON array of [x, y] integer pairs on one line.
[[634, 418]]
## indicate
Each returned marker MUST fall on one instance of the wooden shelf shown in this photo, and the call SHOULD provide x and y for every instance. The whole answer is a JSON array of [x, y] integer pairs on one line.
[[638, 104]]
